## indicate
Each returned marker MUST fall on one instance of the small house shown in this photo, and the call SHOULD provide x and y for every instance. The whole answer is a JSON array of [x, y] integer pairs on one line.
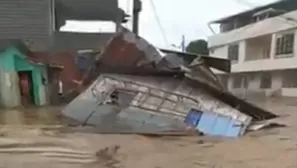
[[22, 82]]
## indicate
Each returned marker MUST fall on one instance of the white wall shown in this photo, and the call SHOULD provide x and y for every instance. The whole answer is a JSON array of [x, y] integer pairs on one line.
[[289, 92], [255, 83], [268, 26], [269, 64], [220, 52]]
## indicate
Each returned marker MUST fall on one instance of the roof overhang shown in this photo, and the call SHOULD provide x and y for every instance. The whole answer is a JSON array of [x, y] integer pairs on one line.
[[284, 5]]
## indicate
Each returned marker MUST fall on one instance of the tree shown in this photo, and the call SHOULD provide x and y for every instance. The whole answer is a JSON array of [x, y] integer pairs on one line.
[[198, 47]]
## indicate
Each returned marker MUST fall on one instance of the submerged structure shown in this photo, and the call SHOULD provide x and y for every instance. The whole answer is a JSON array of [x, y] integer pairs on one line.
[[146, 93]]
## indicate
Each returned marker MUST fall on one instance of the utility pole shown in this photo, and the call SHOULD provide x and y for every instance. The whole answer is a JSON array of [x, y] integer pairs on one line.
[[137, 7], [183, 43]]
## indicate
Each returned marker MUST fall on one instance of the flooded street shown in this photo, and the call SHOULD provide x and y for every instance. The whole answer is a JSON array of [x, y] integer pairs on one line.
[[32, 116], [274, 148]]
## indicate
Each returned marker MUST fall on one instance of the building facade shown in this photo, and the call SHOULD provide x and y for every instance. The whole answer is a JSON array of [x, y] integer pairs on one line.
[[262, 46], [22, 82], [38, 22]]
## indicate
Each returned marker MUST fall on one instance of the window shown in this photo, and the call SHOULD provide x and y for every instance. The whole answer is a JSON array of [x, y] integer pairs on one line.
[[289, 78], [240, 81], [237, 82], [266, 81], [284, 44], [245, 82], [233, 51]]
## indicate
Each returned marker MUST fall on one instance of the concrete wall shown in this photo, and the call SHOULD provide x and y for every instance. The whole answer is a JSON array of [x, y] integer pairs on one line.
[[289, 92], [220, 52], [9, 89], [271, 63], [12, 61], [254, 83]]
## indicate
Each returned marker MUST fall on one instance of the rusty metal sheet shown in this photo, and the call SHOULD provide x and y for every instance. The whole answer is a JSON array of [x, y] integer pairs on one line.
[[217, 63], [129, 50], [70, 72]]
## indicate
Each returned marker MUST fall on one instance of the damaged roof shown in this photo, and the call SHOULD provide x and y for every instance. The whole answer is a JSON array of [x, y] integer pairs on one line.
[[217, 63], [130, 54], [128, 50]]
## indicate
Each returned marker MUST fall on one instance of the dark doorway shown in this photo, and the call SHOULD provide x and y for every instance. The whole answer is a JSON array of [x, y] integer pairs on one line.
[[26, 87]]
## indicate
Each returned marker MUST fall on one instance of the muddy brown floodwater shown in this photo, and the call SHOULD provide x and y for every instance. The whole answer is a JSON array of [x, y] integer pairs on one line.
[[31, 116], [275, 148]]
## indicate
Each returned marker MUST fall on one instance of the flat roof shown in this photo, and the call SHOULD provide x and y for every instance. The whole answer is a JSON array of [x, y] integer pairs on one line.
[[284, 5]]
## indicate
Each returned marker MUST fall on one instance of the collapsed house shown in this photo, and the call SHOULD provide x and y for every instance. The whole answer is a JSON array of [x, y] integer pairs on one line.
[[141, 92]]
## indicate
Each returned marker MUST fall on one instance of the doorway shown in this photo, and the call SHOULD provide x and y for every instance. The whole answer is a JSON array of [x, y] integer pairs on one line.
[[26, 88]]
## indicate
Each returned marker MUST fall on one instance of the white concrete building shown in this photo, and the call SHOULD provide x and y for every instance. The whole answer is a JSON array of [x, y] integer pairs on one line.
[[262, 45]]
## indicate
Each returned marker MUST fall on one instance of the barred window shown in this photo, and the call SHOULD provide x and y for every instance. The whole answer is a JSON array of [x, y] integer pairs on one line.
[[284, 44]]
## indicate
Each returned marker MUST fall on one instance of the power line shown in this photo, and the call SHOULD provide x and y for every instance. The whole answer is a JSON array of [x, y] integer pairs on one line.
[[246, 3], [159, 21]]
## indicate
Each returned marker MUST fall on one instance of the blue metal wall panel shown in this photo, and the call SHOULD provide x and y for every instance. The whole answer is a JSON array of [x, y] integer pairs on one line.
[[82, 62], [221, 125], [218, 125], [234, 129], [193, 117], [207, 122]]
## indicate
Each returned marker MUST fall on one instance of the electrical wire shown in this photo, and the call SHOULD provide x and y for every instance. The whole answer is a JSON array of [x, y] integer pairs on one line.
[[246, 3], [159, 22], [289, 20]]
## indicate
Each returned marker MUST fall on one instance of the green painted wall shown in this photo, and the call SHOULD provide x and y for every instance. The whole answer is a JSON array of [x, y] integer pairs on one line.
[[11, 62]]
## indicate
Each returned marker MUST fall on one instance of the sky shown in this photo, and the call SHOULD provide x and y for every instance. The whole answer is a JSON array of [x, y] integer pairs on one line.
[[177, 17]]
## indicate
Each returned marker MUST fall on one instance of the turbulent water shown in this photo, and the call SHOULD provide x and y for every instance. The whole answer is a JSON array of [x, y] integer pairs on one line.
[[31, 138]]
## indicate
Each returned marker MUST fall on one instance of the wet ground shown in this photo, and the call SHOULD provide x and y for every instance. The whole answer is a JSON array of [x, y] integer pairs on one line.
[[275, 148]]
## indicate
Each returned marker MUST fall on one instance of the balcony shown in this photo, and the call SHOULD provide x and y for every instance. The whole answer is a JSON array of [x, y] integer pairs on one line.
[[265, 65], [258, 48]]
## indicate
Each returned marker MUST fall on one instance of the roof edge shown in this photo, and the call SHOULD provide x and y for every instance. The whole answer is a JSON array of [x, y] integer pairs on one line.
[[244, 12]]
